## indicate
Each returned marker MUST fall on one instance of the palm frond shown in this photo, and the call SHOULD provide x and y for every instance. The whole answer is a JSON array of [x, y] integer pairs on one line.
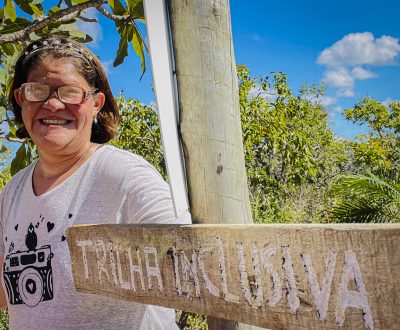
[[366, 198]]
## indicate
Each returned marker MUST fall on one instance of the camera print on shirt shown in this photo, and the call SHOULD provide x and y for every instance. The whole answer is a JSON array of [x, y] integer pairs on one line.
[[28, 276]]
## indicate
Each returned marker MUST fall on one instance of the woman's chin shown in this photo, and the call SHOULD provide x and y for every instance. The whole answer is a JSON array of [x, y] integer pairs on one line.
[[52, 141]]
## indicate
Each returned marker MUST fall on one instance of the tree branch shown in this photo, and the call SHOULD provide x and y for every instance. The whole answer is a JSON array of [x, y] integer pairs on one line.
[[23, 35], [87, 19], [115, 18]]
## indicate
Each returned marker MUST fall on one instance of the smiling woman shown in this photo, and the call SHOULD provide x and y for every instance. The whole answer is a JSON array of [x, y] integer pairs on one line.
[[62, 101]]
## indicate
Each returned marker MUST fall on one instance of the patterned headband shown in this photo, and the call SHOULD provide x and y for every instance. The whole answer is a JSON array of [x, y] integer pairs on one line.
[[54, 44]]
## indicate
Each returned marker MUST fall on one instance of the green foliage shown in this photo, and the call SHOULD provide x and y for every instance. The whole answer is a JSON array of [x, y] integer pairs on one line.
[[367, 198], [190, 321], [5, 176], [3, 319], [379, 150], [291, 154]]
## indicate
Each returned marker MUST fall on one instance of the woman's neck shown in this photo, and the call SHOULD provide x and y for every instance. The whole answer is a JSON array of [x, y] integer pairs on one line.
[[53, 169]]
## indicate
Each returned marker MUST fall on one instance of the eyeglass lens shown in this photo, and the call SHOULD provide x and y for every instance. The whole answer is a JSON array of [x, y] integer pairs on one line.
[[36, 92]]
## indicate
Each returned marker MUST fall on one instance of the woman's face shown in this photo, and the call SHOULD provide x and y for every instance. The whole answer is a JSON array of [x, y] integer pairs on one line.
[[54, 126]]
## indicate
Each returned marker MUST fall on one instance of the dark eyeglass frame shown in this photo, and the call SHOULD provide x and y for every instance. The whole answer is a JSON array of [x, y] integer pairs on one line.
[[85, 94]]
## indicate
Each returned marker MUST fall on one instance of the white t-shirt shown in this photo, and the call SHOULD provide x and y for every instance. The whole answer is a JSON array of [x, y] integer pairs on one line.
[[113, 186]]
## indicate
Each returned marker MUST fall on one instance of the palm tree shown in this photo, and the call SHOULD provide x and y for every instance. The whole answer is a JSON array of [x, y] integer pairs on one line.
[[367, 198]]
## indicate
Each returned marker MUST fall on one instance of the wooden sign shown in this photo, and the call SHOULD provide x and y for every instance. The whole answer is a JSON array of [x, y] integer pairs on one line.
[[273, 276]]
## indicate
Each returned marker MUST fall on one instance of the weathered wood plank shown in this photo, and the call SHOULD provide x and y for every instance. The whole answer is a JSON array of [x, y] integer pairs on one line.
[[275, 276]]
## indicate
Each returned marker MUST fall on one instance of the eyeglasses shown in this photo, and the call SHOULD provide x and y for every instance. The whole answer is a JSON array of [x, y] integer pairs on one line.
[[37, 92]]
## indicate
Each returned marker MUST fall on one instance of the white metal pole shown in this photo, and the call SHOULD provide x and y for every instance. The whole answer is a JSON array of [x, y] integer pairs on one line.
[[161, 56]]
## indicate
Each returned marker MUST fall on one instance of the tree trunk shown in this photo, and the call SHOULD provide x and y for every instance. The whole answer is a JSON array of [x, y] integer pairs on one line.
[[210, 122]]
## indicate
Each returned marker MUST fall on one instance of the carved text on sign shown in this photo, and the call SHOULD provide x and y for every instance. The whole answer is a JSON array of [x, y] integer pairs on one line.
[[142, 269]]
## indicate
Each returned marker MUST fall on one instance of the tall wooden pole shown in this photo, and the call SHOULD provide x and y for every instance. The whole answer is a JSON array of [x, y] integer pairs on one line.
[[210, 115]]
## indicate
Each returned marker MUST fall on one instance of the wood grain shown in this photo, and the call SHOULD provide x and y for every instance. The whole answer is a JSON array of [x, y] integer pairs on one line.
[[274, 276]]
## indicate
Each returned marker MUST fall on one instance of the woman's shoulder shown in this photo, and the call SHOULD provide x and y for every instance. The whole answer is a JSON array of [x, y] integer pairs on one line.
[[120, 159], [124, 163]]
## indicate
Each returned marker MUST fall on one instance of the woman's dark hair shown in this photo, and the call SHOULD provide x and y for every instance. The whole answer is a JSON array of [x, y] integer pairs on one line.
[[87, 64]]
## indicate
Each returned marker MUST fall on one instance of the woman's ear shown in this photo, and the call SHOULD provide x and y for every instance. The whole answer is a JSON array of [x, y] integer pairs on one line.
[[99, 100], [18, 97]]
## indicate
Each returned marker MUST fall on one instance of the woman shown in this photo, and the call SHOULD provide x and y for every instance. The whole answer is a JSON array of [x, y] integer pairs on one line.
[[61, 99]]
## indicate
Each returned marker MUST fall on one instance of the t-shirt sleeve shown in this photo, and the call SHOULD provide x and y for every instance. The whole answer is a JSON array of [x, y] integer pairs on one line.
[[149, 198]]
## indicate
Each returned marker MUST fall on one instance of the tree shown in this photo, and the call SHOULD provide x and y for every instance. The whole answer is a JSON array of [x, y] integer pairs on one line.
[[373, 193], [291, 154], [39, 19], [379, 150]]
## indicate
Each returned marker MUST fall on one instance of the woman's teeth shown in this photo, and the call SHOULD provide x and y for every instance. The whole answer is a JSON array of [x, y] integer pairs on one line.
[[54, 121]]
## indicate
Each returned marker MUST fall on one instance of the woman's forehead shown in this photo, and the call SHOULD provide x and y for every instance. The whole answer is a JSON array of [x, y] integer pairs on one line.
[[56, 70]]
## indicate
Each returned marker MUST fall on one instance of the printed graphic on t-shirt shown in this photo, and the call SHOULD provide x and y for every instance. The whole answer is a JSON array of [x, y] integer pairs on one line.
[[28, 276]]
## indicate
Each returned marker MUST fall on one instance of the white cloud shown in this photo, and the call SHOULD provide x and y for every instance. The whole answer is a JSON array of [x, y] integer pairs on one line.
[[255, 37], [327, 101], [361, 74], [346, 58], [92, 29], [361, 49], [339, 77], [345, 92]]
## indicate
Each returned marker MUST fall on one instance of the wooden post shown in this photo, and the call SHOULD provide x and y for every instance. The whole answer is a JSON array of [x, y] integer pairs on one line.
[[210, 122], [209, 111]]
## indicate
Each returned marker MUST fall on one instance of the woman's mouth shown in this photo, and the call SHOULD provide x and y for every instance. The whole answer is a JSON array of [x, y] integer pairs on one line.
[[59, 122]]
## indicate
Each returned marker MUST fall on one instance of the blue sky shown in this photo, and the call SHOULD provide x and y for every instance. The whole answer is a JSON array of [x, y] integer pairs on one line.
[[351, 45]]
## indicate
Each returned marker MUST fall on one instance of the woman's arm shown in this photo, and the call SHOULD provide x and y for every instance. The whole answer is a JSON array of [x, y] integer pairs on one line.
[[3, 299]]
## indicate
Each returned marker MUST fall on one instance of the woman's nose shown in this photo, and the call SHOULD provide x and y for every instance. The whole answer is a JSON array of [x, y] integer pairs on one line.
[[53, 103]]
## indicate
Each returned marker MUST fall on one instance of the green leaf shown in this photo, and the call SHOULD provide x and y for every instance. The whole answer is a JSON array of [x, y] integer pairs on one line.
[[76, 35], [20, 161], [80, 36], [117, 7], [17, 25], [54, 10], [25, 6], [37, 9], [7, 49], [135, 9], [10, 10], [2, 112], [11, 127], [30, 7], [126, 33], [2, 78], [138, 46]]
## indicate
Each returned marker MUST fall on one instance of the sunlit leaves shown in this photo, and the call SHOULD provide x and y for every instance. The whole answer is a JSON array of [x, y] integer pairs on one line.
[[135, 8], [290, 151], [30, 7], [9, 10], [126, 33], [117, 7], [139, 46], [130, 34]]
